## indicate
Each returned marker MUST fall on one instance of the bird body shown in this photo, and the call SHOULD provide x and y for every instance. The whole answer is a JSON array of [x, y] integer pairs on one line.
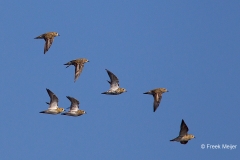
[[49, 38], [53, 105], [114, 85], [79, 65], [74, 108], [53, 111], [75, 113], [183, 137], [157, 95]]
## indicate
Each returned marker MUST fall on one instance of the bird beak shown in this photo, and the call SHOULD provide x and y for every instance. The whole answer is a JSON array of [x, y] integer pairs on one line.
[[58, 34]]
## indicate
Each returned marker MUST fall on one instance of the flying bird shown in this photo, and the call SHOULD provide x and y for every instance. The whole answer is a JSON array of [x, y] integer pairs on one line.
[[157, 95], [114, 85], [48, 37], [74, 108], [79, 64], [183, 137], [53, 105]]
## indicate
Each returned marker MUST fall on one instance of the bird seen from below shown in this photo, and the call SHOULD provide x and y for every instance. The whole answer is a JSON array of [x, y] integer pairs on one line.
[[114, 85], [183, 137], [74, 108], [53, 105]]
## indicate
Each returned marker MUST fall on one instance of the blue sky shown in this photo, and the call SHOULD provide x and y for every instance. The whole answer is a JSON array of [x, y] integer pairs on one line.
[[190, 48]]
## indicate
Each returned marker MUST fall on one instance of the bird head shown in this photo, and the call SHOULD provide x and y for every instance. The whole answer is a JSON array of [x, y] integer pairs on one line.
[[163, 90], [56, 34], [192, 136], [123, 90], [60, 110]]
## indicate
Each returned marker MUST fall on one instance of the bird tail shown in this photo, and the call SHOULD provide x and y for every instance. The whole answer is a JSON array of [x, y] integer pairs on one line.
[[39, 37], [104, 93], [42, 112], [68, 63], [147, 93], [175, 139]]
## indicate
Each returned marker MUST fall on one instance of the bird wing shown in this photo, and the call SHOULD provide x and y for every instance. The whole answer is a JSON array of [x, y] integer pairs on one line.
[[74, 104], [78, 70], [53, 100], [157, 100], [114, 83], [183, 129], [48, 43]]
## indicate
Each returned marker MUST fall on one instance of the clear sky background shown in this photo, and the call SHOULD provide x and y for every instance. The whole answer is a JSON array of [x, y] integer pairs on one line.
[[190, 48]]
